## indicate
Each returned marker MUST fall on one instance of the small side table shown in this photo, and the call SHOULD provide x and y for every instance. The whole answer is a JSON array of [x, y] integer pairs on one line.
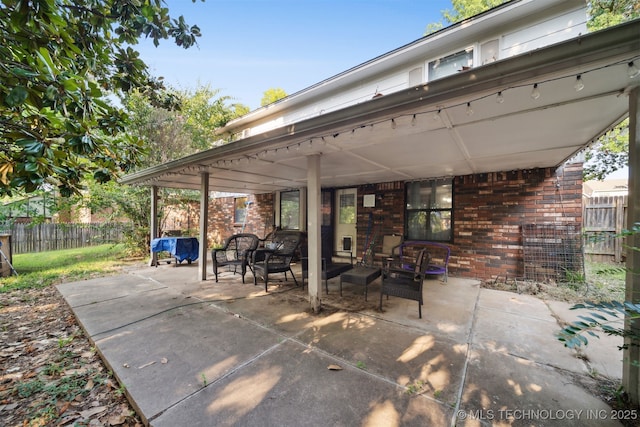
[[360, 276]]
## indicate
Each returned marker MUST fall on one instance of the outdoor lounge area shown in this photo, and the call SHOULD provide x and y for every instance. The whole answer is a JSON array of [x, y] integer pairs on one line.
[[193, 352]]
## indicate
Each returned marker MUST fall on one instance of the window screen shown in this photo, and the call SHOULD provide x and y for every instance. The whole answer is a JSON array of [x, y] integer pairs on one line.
[[429, 210]]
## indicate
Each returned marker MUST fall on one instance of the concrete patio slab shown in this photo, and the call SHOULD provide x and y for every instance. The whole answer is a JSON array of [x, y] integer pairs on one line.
[[102, 289], [133, 302], [522, 326], [501, 389], [192, 352], [291, 386], [602, 354], [165, 359], [421, 361]]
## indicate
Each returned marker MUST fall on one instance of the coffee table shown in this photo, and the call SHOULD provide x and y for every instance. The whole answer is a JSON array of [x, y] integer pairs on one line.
[[360, 276]]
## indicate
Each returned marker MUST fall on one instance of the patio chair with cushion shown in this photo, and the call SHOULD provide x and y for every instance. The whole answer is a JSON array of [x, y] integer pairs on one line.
[[404, 278], [390, 243], [276, 257], [236, 252]]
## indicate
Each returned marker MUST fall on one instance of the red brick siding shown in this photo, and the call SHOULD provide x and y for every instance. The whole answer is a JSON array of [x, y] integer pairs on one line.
[[387, 216], [221, 218], [489, 210]]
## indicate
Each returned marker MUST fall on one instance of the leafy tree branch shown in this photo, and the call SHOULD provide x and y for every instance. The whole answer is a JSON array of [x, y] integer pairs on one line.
[[63, 62]]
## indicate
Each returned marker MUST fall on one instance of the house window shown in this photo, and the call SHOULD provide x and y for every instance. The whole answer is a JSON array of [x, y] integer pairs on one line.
[[430, 210], [347, 213], [445, 66], [290, 210], [240, 209]]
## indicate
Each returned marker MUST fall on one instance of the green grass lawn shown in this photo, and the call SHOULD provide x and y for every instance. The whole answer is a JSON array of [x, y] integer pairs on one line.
[[53, 267]]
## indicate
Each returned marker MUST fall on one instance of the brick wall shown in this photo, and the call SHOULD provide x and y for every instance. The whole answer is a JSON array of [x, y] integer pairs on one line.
[[221, 218], [387, 217], [489, 210]]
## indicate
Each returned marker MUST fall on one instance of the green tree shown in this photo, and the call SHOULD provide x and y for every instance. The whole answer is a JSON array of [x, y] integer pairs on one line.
[[272, 95], [607, 13], [611, 152], [203, 110], [61, 59], [462, 9], [166, 135]]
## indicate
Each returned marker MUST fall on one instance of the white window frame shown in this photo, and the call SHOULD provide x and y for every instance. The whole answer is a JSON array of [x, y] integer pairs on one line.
[[474, 55]]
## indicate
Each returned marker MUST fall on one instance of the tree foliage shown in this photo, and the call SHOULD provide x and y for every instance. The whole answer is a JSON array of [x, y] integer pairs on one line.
[[605, 317], [170, 134], [272, 95], [166, 135], [203, 110], [62, 59], [462, 9], [609, 154], [607, 13]]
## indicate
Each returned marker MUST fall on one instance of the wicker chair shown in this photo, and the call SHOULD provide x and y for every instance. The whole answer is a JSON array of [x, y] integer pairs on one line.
[[236, 252], [276, 257], [404, 278]]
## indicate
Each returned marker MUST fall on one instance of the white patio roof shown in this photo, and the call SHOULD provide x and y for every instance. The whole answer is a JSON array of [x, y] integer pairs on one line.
[[398, 136]]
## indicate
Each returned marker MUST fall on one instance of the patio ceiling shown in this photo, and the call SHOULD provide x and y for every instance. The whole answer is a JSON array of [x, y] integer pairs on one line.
[[427, 131]]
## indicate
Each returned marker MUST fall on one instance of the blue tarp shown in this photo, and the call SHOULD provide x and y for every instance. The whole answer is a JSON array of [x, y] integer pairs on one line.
[[179, 247]]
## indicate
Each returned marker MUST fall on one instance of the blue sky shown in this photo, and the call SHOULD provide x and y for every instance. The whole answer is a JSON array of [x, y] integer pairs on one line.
[[249, 46]]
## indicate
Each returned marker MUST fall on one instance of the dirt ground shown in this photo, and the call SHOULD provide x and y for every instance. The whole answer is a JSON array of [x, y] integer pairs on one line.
[[49, 373]]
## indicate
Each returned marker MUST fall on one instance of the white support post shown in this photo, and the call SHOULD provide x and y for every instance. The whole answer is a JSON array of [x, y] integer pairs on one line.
[[204, 224], [313, 230], [630, 367], [153, 226]]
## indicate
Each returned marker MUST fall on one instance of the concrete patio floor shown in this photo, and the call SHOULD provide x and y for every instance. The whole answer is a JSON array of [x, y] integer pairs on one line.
[[200, 353]]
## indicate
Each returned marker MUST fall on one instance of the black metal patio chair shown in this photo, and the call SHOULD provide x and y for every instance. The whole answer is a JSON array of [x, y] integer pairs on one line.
[[404, 278], [236, 252], [276, 257]]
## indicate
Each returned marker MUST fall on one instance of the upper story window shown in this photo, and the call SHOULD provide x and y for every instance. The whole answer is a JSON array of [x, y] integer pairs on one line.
[[430, 210], [451, 64]]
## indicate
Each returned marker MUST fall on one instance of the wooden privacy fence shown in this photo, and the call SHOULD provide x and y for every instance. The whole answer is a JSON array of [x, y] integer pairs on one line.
[[27, 238], [604, 218]]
